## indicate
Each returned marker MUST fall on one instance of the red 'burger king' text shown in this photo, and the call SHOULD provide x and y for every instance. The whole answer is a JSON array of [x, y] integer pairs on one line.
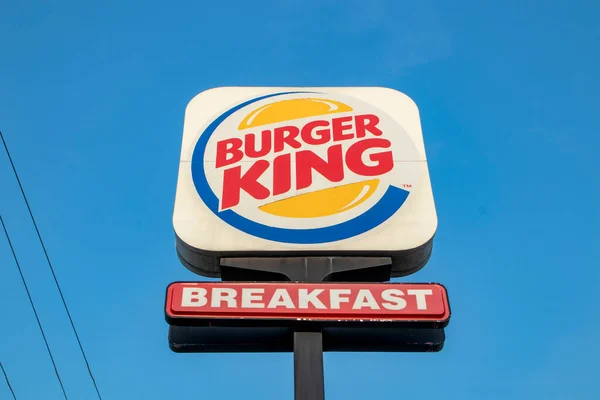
[[289, 141]]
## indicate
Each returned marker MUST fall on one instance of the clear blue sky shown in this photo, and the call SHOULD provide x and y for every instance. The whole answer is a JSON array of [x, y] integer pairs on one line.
[[92, 97]]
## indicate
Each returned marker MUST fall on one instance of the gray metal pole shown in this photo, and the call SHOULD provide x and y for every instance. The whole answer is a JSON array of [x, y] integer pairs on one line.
[[308, 366]]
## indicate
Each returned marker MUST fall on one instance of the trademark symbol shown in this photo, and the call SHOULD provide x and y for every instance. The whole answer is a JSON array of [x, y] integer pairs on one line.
[[406, 185]]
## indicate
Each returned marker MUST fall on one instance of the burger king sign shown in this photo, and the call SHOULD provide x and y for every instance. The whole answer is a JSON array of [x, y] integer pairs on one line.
[[299, 171]]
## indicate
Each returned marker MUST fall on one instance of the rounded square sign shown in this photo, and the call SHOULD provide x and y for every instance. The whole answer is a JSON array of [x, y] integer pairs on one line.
[[302, 171]]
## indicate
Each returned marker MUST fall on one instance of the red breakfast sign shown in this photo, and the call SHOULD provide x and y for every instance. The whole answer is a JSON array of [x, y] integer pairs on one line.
[[308, 301]]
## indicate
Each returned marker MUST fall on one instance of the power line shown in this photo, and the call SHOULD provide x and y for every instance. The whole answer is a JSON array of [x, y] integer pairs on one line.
[[37, 318], [7, 381], [87, 364]]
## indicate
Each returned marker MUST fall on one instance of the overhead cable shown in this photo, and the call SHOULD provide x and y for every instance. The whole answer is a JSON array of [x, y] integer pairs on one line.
[[37, 318], [62, 297]]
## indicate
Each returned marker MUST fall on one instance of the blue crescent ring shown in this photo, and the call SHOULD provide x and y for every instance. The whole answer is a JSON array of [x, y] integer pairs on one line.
[[391, 201]]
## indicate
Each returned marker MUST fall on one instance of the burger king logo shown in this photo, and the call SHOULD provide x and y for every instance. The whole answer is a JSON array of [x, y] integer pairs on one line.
[[304, 167]]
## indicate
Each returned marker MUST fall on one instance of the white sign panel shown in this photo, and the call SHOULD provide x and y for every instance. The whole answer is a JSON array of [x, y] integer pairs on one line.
[[300, 170]]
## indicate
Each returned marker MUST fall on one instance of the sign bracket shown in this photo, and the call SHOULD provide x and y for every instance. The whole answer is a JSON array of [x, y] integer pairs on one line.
[[306, 269]]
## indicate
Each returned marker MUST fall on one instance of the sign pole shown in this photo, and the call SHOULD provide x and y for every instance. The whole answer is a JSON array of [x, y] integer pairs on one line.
[[308, 365], [309, 377], [309, 380]]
